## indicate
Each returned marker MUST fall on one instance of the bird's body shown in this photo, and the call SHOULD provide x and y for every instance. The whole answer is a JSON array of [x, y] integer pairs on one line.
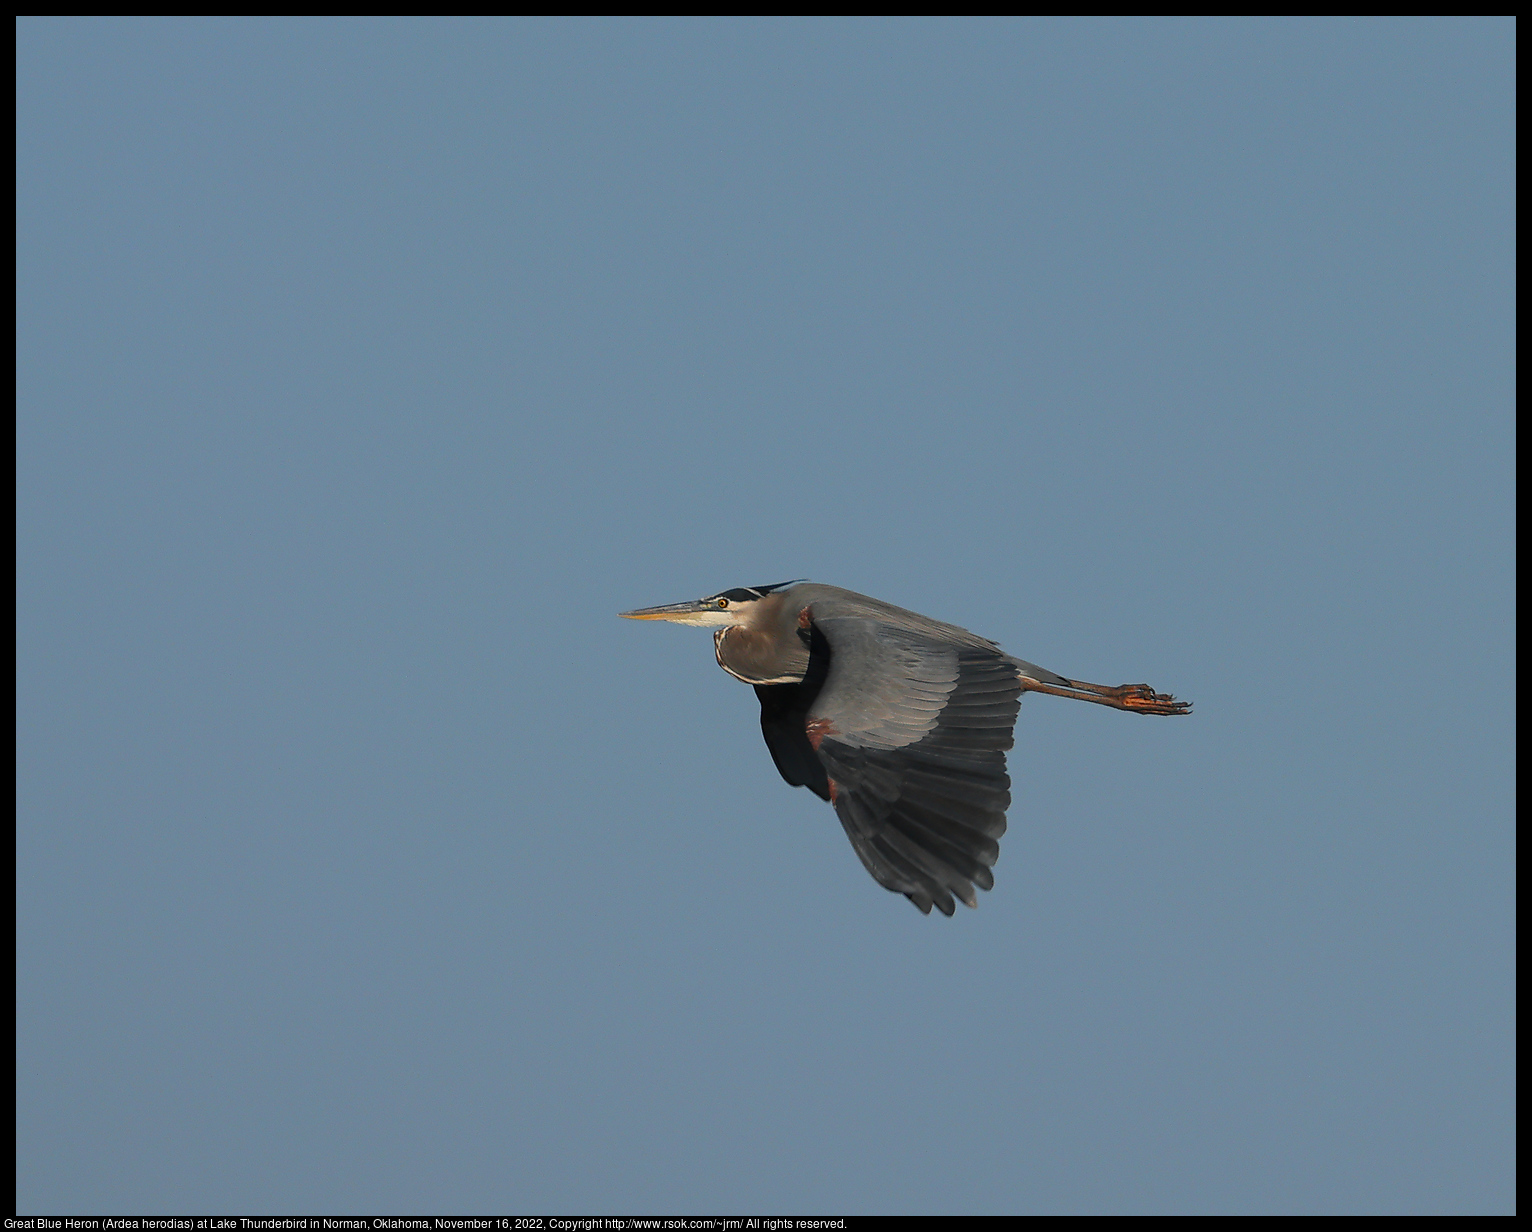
[[901, 722]]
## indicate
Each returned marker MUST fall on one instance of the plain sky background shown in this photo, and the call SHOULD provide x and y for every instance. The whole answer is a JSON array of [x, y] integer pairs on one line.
[[367, 862]]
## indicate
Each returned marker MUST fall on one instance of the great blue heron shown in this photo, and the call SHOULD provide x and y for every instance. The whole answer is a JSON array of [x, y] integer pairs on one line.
[[901, 722]]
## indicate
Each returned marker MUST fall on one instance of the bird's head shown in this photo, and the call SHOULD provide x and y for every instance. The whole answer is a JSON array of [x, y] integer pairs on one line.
[[726, 608]]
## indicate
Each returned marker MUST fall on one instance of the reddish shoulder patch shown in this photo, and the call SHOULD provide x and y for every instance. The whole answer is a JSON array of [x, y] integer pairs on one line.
[[805, 618], [834, 789], [817, 730]]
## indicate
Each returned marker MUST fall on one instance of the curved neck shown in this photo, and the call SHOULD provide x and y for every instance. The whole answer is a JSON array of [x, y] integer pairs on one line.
[[764, 648]]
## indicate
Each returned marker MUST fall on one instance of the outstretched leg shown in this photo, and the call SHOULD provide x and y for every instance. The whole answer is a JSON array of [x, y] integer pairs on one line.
[[1139, 698]]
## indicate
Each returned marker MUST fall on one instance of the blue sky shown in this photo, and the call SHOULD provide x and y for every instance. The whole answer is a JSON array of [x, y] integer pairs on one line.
[[368, 368]]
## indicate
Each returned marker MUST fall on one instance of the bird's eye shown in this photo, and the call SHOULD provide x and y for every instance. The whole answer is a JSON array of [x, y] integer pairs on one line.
[[722, 602]]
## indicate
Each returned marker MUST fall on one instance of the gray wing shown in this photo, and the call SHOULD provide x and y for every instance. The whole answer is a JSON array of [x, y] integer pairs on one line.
[[912, 725]]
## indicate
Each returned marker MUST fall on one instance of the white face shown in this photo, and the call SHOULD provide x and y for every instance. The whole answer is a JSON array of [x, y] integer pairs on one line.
[[714, 612], [726, 609], [719, 612]]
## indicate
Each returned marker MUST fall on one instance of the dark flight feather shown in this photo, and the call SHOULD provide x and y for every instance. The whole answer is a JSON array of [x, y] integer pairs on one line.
[[923, 817]]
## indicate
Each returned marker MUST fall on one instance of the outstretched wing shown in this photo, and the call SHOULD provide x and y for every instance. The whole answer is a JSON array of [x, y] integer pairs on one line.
[[911, 728]]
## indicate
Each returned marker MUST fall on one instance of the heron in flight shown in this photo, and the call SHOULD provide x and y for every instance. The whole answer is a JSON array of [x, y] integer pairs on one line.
[[901, 722]]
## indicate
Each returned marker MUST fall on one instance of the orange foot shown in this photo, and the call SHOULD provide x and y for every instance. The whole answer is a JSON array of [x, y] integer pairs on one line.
[[1145, 700]]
